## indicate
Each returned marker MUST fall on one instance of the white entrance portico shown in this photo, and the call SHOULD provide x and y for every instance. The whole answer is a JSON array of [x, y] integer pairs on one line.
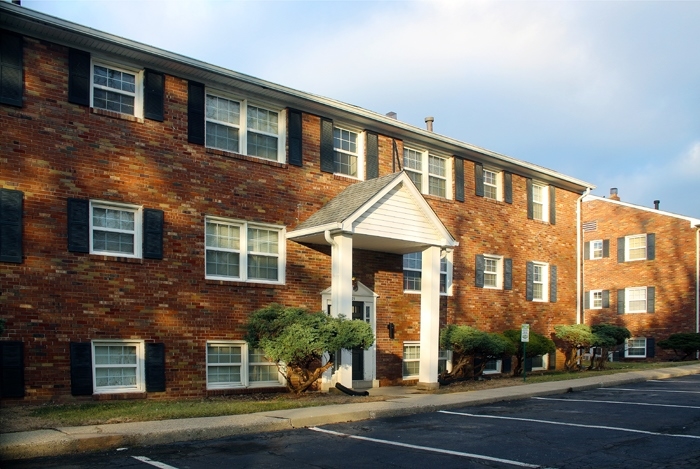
[[387, 214]]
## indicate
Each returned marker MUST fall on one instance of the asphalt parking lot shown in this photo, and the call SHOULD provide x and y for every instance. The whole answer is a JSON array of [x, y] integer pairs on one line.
[[654, 424]]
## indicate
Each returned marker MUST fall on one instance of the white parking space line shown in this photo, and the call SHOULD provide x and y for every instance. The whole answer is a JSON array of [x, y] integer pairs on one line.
[[618, 402], [598, 427], [651, 390], [427, 448], [671, 382], [161, 465]]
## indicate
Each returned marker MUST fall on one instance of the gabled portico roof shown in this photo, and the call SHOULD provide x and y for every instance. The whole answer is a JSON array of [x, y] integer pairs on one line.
[[386, 214]]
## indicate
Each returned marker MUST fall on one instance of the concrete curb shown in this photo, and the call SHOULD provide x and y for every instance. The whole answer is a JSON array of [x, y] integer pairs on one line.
[[71, 440]]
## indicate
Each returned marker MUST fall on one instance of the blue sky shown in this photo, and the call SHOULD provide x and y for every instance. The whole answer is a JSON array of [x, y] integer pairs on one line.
[[607, 92]]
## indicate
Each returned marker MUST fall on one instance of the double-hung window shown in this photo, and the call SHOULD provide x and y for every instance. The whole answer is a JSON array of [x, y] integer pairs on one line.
[[116, 89], [540, 207], [411, 360], [430, 173], [539, 281], [596, 299], [636, 247], [237, 126], [596, 249], [493, 271], [237, 250], [115, 229], [493, 366], [492, 184], [346, 145], [636, 347], [412, 272], [232, 364], [636, 299], [118, 366]]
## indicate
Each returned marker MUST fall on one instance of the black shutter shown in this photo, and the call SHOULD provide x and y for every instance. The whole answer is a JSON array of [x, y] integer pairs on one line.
[[372, 155], [553, 283], [155, 367], [651, 347], [606, 298], [152, 233], [11, 69], [530, 210], [295, 137], [606, 248], [153, 95], [586, 250], [529, 270], [459, 179], [508, 187], [528, 364], [507, 274], [651, 246], [651, 299], [552, 205], [587, 300], [479, 271], [620, 249], [479, 179], [11, 225], [12, 369], [327, 164], [621, 301], [196, 102], [507, 365], [552, 361], [78, 225], [81, 368], [79, 77]]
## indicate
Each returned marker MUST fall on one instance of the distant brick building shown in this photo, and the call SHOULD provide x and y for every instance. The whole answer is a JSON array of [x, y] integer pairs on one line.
[[150, 202], [640, 271]]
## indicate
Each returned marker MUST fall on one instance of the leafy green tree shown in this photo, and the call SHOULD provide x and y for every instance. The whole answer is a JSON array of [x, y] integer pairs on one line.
[[572, 339], [472, 346], [296, 339], [607, 337], [683, 344], [538, 345]]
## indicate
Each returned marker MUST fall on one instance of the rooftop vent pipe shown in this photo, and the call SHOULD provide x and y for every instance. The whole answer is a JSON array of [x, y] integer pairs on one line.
[[429, 123], [613, 194], [656, 204], [392, 114]]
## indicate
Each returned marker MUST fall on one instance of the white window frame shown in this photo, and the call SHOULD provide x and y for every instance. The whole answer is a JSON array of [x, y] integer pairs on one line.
[[544, 281], [496, 185], [627, 347], [137, 233], [244, 253], [446, 271], [139, 366], [593, 299], [498, 272], [244, 364], [424, 172], [497, 369], [243, 127], [628, 294], [628, 240], [544, 202], [138, 84], [596, 249], [545, 363], [411, 344], [359, 154]]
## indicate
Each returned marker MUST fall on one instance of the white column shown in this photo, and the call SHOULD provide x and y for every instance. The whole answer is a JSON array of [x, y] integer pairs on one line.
[[341, 295], [429, 319]]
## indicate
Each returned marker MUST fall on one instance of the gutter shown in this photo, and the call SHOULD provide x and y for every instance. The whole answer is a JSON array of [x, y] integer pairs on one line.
[[579, 257]]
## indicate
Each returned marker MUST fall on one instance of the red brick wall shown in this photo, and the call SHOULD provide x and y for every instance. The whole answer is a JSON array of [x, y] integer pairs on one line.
[[672, 272], [52, 150]]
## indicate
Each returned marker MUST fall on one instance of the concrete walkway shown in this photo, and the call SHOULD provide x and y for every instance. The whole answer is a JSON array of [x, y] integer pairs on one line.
[[401, 401]]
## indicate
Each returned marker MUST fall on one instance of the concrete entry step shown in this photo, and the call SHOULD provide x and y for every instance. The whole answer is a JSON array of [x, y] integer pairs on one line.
[[361, 384]]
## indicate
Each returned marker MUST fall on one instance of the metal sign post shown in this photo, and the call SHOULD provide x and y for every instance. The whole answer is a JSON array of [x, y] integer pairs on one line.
[[525, 338]]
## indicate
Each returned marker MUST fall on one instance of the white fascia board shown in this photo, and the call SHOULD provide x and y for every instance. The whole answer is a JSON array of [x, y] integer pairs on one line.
[[694, 222], [314, 230]]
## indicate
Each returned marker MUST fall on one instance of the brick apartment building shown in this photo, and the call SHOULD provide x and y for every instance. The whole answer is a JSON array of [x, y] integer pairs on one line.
[[150, 202], [641, 271]]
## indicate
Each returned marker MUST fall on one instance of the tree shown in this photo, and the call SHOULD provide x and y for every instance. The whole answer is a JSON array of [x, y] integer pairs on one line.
[[538, 345], [469, 344], [296, 339], [572, 339], [607, 337], [683, 344]]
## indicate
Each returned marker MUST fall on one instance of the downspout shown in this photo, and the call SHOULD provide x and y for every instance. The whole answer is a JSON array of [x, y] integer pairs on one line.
[[697, 279], [579, 262]]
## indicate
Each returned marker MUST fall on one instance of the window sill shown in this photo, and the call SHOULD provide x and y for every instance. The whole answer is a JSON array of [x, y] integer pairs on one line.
[[437, 198], [117, 115], [126, 260], [118, 396], [345, 177], [240, 283], [239, 156]]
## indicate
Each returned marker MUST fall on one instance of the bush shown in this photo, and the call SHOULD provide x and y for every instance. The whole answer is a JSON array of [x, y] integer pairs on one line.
[[470, 345], [683, 344], [538, 345], [296, 339], [572, 339], [607, 337]]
